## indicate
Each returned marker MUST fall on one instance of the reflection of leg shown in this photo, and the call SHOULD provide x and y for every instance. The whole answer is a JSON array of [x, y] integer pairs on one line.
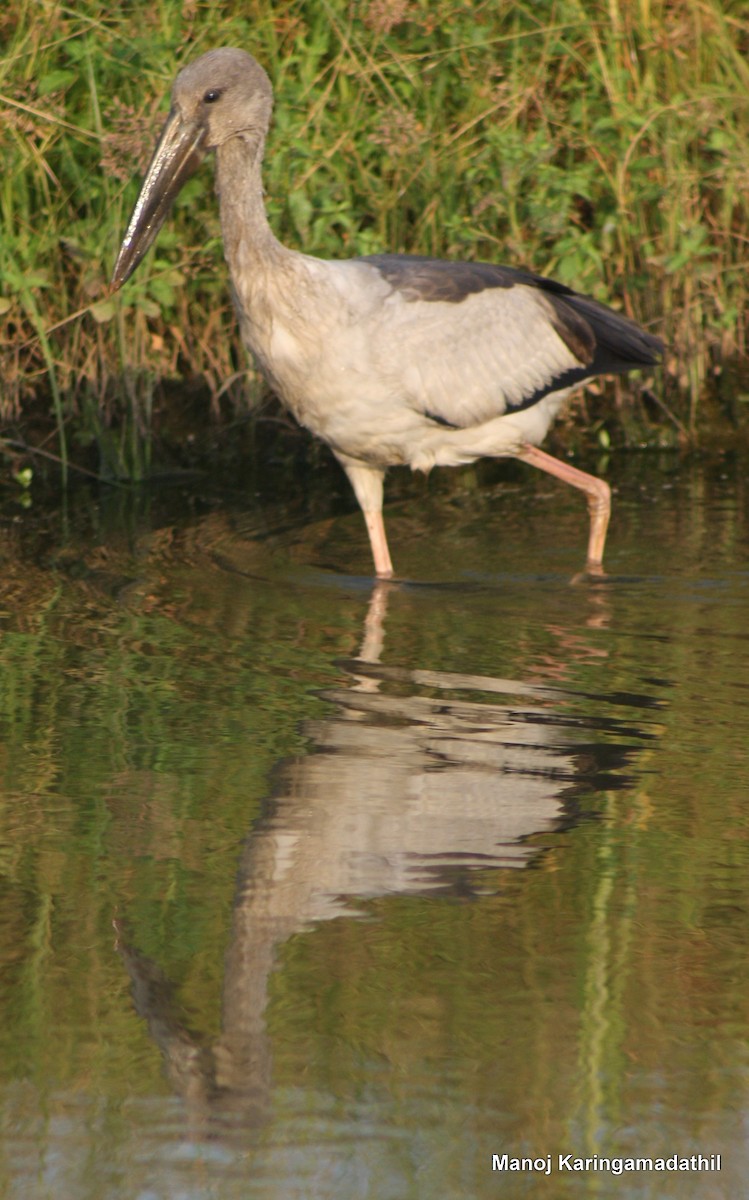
[[374, 623], [597, 491]]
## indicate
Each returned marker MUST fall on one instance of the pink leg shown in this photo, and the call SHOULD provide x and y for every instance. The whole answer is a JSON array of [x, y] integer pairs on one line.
[[597, 491], [367, 484], [378, 541]]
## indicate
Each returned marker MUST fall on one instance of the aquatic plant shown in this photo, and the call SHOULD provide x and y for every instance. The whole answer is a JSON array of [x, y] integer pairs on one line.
[[603, 144]]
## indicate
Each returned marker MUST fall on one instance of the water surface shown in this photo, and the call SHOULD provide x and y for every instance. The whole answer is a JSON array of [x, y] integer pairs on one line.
[[317, 888]]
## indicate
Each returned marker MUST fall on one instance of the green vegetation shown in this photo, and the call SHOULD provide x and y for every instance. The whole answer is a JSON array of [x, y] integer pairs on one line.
[[602, 143]]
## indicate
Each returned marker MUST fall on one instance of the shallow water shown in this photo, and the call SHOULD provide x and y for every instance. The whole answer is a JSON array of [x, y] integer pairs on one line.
[[312, 888]]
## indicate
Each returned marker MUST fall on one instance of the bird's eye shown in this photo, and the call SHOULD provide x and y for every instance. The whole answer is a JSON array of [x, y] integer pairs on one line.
[[212, 96]]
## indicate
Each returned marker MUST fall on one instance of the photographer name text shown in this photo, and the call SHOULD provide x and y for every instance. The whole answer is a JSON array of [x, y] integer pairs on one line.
[[600, 1163]]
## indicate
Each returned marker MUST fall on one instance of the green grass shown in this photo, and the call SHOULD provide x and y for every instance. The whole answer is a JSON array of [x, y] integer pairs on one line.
[[601, 143]]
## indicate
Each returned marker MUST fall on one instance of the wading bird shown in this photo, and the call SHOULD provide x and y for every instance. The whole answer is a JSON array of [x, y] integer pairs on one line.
[[390, 359]]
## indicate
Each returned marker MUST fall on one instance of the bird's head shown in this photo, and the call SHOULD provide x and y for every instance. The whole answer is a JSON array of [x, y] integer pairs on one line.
[[225, 93], [222, 95]]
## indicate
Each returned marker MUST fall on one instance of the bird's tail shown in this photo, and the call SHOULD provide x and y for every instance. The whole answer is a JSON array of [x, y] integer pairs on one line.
[[621, 344]]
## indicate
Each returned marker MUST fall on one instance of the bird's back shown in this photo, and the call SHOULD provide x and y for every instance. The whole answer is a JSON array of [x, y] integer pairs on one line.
[[370, 353]]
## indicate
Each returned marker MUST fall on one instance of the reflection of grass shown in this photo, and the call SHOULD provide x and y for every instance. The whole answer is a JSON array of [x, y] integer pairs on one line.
[[105, 698], [602, 144], [147, 701]]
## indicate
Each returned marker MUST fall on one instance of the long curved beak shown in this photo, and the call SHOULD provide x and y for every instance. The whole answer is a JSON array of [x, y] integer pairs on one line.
[[178, 154]]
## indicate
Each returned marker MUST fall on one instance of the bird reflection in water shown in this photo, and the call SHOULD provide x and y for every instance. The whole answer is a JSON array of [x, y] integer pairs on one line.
[[419, 782]]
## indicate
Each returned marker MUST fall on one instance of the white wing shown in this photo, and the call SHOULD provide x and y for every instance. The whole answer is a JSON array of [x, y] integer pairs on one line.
[[468, 362]]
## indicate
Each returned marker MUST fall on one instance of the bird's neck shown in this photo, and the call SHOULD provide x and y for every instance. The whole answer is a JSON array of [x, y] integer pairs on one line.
[[249, 241]]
